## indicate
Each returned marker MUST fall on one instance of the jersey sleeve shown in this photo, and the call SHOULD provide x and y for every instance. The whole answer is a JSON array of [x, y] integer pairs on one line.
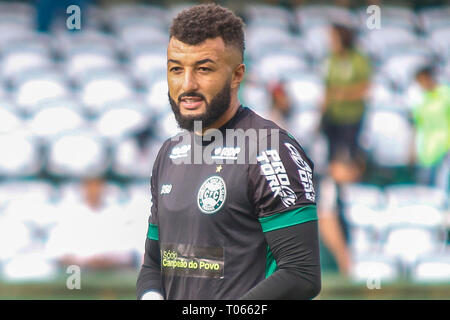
[[281, 184]]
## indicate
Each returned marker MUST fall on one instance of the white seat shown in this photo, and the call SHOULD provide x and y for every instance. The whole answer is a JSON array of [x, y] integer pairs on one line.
[[148, 63], [433, 17], [273, 67], [43, 123], [255, 96], [402, 195], [77, 154], [367, 195], [305, 90], [401, 68], [9, 118], [37, 88], [23, 192], [303, 125], [20, 154], [434, 268], [118, 122], [409, 243], [156, 96], [374, 270], [104, 88], [387, 136], [314, 15], [22, 61], [84, 61], [166, 126], [134, 161], [379, 42]]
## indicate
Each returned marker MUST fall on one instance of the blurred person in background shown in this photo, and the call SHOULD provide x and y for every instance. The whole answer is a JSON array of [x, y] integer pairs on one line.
[[280, 106], [432, 131], [333, 229], [347, 74], [82, 238]]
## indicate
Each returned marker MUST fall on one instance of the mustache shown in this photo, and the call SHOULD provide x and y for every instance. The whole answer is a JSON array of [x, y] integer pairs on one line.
[[191, 94]]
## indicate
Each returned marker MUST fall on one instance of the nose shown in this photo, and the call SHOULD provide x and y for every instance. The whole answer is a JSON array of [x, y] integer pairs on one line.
[[189, 82]]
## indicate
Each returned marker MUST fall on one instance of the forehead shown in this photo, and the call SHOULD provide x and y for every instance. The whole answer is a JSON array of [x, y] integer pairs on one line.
[[213, 49]]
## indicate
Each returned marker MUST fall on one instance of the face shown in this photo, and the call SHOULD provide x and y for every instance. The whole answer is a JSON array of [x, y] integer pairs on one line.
[[202, 80], [335, 41]]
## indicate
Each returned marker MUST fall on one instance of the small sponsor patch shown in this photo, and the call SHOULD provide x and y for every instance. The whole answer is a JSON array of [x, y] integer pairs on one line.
[[187, 260]]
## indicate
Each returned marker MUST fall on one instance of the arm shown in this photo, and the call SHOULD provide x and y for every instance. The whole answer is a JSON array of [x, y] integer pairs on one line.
[[334, 239], [296, 251], [149, 279]]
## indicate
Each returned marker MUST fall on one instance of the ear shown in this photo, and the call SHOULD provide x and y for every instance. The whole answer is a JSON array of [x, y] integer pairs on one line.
[[238, 75]]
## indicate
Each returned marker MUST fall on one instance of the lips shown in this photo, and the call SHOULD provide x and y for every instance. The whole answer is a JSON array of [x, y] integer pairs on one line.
[[191, 102]]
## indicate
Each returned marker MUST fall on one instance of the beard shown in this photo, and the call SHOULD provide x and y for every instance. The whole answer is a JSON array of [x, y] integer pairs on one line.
[[213, 110]]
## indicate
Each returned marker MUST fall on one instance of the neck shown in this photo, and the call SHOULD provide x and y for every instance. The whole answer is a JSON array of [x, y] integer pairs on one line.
[[231, 111]]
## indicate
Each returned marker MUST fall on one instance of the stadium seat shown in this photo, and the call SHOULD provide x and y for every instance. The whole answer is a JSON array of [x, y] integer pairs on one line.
[[77, 154], [38, 86], [122, 119], [255, 95], [156, 96], [22, 61], [83, 60], [387, 137], [408, 243], [311, 16], [374, 269], [401, 195], [275, 16], [131, 160], [400, 68], [9, 117], [100, 88], [378, 43], [303, 125], [166, 126], [274, 66], [23, 192], [306, 90], [431, 18], [51, 121], [432, 268], [367, 195], [20, 154], [146, 64]]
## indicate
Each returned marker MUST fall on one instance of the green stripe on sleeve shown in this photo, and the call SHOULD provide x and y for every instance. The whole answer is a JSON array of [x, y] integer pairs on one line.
[[152, 232], [289, 218]]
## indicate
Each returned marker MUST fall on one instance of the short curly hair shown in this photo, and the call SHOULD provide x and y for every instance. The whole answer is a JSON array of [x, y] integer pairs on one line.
[[208, 21]]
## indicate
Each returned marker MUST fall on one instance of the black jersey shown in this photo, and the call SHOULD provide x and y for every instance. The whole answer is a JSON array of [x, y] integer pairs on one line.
[[212, 202]]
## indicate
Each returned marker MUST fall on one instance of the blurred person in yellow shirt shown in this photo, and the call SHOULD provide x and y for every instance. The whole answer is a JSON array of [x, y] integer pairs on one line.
[[432, 126], [347, 79]]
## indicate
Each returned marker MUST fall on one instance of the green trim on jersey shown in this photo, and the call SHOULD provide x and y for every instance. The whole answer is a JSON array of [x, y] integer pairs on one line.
[[153, 232], [271, 264], [290, 218]]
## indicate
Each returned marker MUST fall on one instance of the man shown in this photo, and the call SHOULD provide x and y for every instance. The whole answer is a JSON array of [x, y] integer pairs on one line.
[[432, 126], [235, 229]]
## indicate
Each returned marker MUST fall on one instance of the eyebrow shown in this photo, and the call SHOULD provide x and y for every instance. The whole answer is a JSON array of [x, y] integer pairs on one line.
[[196, 63]]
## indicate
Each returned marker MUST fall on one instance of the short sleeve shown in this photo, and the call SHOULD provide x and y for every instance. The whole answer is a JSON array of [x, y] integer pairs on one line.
[[281, 184]]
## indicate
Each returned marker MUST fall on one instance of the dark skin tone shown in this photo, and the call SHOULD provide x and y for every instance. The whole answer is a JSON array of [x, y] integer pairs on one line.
[[204, 68]]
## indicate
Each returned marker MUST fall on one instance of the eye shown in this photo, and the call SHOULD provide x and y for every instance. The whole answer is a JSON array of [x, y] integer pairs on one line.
[[204, 69], [175, 69]]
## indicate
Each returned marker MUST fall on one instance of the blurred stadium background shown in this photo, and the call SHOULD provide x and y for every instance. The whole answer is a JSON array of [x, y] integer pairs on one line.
[[83, 113]]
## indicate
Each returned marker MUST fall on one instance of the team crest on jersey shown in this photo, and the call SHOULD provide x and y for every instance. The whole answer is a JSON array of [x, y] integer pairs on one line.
[[211, 195]]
